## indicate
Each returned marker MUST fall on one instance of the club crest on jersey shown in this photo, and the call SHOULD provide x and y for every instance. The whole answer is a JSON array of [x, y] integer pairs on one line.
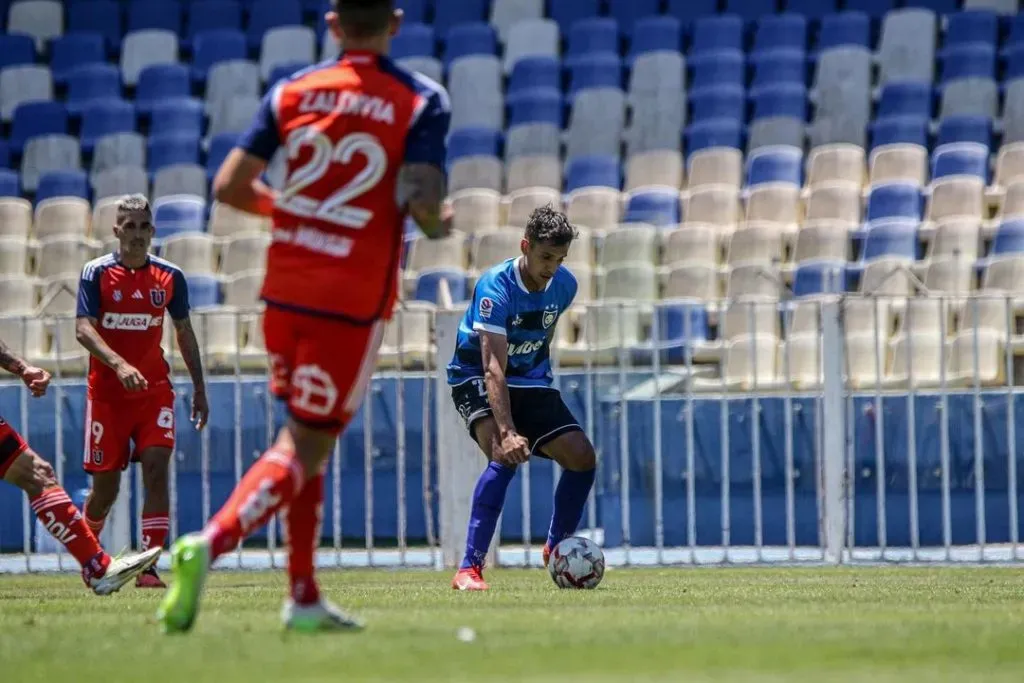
[[486, 307], [549, 317], [157, 297], [97, 456]]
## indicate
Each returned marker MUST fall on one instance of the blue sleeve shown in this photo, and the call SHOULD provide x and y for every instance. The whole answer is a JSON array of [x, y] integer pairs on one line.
[[262, 139], [178, 305], [89, 292], [571, 289], [490, 310], [425, 143]]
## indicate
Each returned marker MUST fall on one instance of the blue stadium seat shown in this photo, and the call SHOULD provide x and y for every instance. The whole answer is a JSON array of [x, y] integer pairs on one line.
[[174, 215], [688, 10], [725, 102], [718, 69], [470, 39], [750, 10], [780, 32], [568, 13], [965, 129], [626, 12], [220, 145], [105, 117], [845, 28], [267, 14], [592, 35], [895, 130], [813, 278], [5, 154], [15, 49], [282, 71], [448, 13], [599, 70], [168, 150], [937, 6], [895, 238], [33, 119], [1014, 64], [163, 15], [414, 40], [1015, 41], [72, 183], [719, 32], [213, 15], [905, 98], [179, 116], [873, 8], [414, 10], [534, 72], [1009, 237], [680, 325], [10, 183], [975, 60], [657, 206], [894, 200], [92, 82], [787, 100], [780, 164], [99, 16], [593, 171], [960, 159], [161, 82], [779, 67], [539, 105], [203, 290], [473, 142], [429, 281], [73, 50], [714, 133], [970, 27], [812, 9], [655, 34], [212, 47]]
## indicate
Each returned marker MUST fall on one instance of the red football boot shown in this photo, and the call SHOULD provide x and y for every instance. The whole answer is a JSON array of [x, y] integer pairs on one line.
[[149, 579], [469, 579], [546, 554]]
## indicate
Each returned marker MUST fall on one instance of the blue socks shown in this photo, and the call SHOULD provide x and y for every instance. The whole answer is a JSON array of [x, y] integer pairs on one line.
[[570, 497], [488, 499]]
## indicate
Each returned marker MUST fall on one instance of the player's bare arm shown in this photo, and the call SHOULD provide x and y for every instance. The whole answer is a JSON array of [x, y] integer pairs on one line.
[[88, 335], [190, 353], [421, 189], [511, 447], [36, 379], [238, 184]]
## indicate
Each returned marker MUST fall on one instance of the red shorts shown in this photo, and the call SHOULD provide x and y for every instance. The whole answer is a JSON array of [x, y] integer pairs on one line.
[[113, 427], [321, 366], [11, 446]]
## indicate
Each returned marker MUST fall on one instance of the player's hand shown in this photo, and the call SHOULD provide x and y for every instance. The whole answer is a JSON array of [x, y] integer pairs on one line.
[[130, 378], [200, 409], [36, 379], [513, 449]]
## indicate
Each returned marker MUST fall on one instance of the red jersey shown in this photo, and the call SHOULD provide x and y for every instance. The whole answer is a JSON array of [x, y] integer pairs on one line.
[[347, 127], [128, 305]]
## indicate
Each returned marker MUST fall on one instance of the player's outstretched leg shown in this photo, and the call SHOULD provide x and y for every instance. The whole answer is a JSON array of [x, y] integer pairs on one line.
[[574, 452], [52, 505], [488, 500], [155, 463]]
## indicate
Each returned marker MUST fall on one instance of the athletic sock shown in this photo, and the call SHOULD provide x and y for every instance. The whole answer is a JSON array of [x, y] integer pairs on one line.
[[302, 535], [63, 520], [154, 529], [570, 498], [488, 500]]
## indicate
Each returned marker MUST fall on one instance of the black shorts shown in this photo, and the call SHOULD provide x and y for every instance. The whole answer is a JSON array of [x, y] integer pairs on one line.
[[538, 413]]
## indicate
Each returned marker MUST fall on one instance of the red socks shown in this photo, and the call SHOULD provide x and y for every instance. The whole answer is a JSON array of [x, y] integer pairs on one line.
[[269, 485], [62, 519], [154, 529], [302, 534]]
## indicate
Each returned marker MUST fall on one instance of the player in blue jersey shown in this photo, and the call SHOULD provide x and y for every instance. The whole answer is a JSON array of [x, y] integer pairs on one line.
[[501, 384]]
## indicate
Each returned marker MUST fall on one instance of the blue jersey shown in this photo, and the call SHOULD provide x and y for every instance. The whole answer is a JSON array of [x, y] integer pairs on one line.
[[503, 305]]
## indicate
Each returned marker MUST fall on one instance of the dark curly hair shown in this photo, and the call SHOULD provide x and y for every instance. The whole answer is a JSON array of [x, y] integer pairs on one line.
[[363, 18], [547, 226]]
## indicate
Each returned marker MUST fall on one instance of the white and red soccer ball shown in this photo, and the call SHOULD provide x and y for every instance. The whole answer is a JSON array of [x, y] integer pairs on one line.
[[576, 562]]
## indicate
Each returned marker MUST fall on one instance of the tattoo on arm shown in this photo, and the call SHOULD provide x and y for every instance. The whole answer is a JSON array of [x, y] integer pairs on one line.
[[421, 189], [10, 361], [190, 352]]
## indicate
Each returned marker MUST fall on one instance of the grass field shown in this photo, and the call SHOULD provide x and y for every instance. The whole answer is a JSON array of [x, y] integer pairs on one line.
[[868, 624]]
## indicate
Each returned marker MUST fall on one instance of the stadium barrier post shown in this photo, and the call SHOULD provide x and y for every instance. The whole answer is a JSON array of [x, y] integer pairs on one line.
[[833, 509]]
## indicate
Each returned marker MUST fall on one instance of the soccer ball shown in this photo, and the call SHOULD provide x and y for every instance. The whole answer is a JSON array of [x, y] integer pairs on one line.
[[576, 562]]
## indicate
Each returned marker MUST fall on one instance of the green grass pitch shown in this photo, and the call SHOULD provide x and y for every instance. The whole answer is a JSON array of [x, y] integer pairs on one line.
[[684, 625]]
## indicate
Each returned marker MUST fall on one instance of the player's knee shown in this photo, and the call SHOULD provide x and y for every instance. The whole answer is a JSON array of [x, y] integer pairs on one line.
[[312, 445], [576, 452], [154, 471], [31, 474], [105, 487]]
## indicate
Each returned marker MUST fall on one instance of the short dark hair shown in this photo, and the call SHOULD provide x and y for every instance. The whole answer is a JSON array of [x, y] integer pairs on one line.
[[547, 226], [363, 18]]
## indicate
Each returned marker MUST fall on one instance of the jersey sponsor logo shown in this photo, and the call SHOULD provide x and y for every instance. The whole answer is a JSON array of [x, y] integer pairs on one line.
[[486, 307], [316, 240], [131, 322], [158, 297], [348, 103], [525, 348]]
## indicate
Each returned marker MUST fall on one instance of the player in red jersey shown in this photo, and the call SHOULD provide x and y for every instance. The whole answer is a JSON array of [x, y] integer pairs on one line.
[[365, 144], [129, 414], [21, 466]]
